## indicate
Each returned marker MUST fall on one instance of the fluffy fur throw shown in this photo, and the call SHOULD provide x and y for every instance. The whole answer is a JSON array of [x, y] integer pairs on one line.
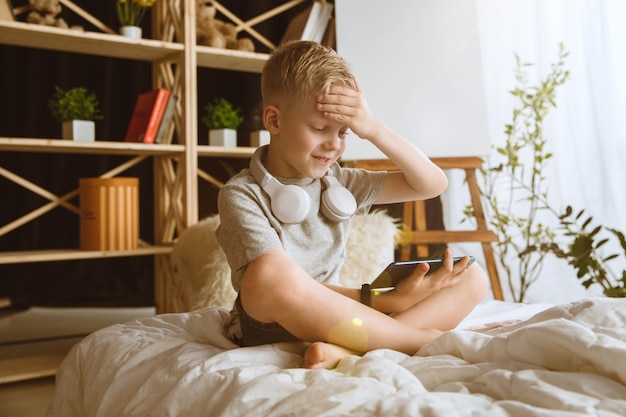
[[202, 276]]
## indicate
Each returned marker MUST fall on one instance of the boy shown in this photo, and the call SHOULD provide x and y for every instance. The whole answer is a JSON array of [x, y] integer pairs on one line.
[[284, 222]]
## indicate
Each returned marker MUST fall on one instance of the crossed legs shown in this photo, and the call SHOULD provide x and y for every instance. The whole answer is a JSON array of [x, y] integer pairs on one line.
[[277, 290]]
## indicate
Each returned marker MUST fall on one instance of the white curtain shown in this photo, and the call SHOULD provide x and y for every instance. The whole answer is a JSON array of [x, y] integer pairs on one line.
[[587, 131]]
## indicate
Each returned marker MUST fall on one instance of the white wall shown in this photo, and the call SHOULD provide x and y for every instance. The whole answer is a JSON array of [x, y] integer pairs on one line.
[[418, 62]]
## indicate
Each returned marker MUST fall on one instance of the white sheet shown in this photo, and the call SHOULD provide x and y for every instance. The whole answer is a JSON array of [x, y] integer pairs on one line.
[[567, 360]]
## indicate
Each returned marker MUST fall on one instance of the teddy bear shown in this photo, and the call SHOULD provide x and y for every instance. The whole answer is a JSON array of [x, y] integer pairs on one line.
[[217, 33], [46, 12]]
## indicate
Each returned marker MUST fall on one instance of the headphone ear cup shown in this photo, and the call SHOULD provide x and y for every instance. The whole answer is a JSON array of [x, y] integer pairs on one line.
[[338, 203], [291, 204]]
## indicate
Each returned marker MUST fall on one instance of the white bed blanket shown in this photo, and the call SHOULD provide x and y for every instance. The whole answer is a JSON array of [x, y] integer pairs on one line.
[[568, 360]]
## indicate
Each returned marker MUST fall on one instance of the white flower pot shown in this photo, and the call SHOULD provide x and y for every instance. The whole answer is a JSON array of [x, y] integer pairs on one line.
[[259, 138], [223, 137], [133, 32], [79, 130]]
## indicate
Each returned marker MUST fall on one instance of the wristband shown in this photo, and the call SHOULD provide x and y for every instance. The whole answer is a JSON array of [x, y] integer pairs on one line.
[[366, 295]]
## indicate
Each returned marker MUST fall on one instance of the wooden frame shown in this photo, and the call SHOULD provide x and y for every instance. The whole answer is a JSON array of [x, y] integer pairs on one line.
[[414, 216]]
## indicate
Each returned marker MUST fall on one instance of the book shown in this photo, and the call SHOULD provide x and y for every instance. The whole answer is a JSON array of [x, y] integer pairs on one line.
[[311, 24], [147, 114], [6, 10], [163, 134], [321, 22]]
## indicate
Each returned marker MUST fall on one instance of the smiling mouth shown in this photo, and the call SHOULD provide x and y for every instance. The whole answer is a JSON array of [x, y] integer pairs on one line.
[[323, 159]]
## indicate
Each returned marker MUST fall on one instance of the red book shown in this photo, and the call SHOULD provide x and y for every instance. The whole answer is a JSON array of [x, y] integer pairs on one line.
[[147, 116]]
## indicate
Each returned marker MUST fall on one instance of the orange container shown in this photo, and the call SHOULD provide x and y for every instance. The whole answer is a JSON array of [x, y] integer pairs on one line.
[[109, 213]]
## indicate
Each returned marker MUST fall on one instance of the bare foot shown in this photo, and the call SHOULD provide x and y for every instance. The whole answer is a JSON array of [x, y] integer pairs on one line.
[[320, 355]]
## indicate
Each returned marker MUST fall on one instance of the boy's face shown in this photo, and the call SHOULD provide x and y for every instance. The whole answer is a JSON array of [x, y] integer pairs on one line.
[[304, 143]]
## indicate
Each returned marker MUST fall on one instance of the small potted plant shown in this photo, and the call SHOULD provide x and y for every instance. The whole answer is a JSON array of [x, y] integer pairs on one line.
[[222, 119], [76, 109], [130, 13], [259, 136]]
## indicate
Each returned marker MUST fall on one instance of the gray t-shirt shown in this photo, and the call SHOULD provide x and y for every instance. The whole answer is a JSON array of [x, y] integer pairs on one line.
[[248, 228]]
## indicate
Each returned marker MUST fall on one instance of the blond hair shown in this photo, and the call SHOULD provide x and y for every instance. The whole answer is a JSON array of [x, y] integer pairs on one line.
[[299, 70]]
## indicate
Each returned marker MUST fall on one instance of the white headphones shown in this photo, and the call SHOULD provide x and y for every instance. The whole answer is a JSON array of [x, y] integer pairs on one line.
[[291, 204]]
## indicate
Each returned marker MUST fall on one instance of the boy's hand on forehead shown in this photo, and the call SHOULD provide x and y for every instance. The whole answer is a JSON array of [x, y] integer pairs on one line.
[[348, 107]]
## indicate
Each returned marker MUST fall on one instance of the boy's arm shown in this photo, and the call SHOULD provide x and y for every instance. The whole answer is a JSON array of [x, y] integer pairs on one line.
[[272, 267], [276, 261], [268, 271], [414, 289], [418, 177]]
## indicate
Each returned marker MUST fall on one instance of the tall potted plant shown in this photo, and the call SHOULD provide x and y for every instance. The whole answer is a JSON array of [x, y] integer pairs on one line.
[[529, 228], [76, 109], [222, 119]]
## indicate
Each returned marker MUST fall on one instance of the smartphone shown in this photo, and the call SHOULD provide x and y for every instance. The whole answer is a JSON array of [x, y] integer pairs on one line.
[[397, 271]]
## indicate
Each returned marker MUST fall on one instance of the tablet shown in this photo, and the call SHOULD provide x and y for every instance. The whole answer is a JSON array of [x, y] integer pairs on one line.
[[397, 271]]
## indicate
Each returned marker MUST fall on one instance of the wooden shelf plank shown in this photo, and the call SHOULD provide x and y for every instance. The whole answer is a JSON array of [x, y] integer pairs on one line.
[[97, 147], [116, 46], [29, 367], [91, 43], [222, 151], [229, 59], [74, 254]]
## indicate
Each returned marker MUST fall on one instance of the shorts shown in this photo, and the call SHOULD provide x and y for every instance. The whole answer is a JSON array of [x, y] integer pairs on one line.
[[256, 332]]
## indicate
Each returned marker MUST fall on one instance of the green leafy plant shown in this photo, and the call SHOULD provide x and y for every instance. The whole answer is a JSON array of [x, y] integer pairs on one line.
[[516, 199], [584, 251], [132, 12], [77, 103], [221, 114]]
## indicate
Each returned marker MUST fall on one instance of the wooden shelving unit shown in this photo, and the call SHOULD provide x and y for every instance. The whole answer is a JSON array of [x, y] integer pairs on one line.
[[175, 58]]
